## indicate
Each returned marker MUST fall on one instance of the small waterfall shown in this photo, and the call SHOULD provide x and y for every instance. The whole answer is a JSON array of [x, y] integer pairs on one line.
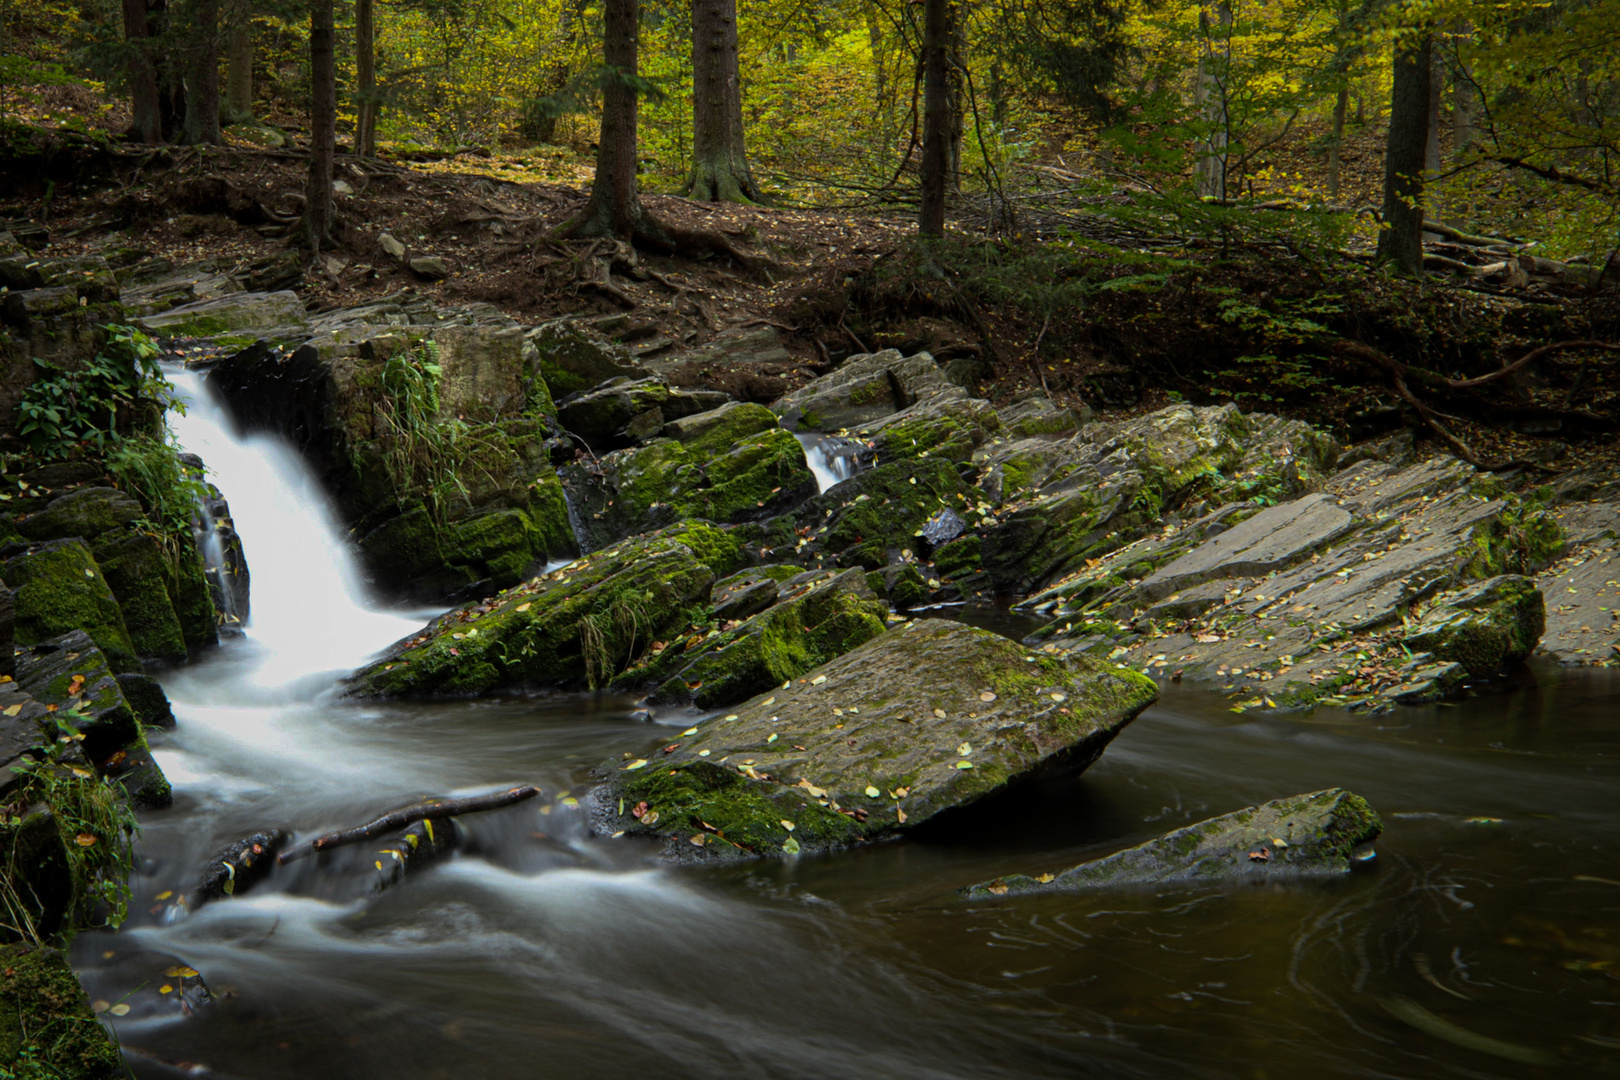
[[832, 459], [311, 614]]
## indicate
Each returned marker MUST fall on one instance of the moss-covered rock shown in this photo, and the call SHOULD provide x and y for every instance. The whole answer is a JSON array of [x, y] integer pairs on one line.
[[59, 588], [873, 518], [46, 1026], [1487, 627], [862, 748], [863, 389], [569, 358], [1317, 835], [718, 663], [949, 424], [601, 416], [740, 467], [580, 625]]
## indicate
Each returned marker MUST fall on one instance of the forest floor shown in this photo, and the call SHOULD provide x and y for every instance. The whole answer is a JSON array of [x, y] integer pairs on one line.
[[1091, 313]]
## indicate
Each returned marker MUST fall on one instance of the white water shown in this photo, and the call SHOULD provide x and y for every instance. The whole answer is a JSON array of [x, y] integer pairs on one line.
[[830, 460], [310, 614]]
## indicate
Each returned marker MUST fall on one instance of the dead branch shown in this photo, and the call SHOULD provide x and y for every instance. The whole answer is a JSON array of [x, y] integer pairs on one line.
[[429, 811]]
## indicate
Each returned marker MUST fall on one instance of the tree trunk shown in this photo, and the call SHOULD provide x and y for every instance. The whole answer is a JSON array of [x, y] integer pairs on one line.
[[614, 208], [316, 226], [1431, 144], [239, 65], [1212, 98], [202, 77], [1340, 106], [936, 152], [1400, 241], [147, 124], [720, 171], [365, 75]]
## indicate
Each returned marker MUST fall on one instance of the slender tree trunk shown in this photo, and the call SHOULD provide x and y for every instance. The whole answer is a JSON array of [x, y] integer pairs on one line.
[[614, 208], [201, 124], [936, 152], [720, 171], [958, 97], [239, 65], [1213, 93], [365, 74], [1400, 241], [147, 124], [316, 227], [1340, 106]]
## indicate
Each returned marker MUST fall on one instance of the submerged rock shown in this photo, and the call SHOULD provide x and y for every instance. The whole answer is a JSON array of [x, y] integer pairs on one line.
[[239, 867], [580, 625], [1318, 835], [919, 721]]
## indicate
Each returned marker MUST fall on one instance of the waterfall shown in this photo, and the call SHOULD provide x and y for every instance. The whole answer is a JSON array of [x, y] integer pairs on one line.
[[311, 614], [832, 459]]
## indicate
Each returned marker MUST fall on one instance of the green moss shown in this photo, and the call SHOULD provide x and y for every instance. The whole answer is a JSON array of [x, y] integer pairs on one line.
[[739, 813], [60, 588], [959, 558], [1523, 539], [136, 571], [46, 1026], [881, 512]]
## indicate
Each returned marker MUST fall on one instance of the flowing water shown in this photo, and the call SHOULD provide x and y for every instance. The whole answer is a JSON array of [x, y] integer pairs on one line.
[[832, 459], [1484, 943]]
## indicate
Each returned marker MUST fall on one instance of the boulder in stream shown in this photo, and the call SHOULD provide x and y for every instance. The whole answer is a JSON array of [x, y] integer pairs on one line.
[[914, 723], [1322, 834]]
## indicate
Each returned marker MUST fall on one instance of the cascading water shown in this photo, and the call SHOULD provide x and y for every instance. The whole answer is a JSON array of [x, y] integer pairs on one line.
[[831, 459], [538, 949]]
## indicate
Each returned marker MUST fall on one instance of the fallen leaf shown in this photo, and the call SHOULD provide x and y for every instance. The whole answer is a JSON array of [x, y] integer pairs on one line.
[[987, 696], [181, 971], [788, 825], [690, 731], [872, 792], [964, 764], [899, 813], [525, 606], [999, 889], [791, 847], [639, 763], [818, 680], [1045, 879], [119, 1009], [964, 750], [13, 710], [85, 839]]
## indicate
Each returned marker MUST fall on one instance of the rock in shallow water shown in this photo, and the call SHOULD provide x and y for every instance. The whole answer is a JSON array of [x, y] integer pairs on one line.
[[919, 721], [1317, 835]]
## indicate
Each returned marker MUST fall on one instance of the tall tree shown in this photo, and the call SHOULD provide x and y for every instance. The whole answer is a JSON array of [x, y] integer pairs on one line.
[[614, 208], [720, 170], [936, 152], [201, 124], [316, 227], [1400, 241], [365, 75], [147, 122], [1214, 99], [238, 107]]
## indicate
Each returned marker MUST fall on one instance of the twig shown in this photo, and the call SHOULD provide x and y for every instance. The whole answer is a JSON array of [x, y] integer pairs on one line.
[[411, 814]]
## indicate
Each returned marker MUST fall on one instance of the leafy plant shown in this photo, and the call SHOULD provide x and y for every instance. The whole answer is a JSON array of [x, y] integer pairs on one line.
[[96, 405]]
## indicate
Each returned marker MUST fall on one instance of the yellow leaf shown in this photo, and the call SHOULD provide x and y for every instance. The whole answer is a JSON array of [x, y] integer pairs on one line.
[[872, 792], [13, 710], [524, 606], [84, 839], [1045, 878], [788, 825]]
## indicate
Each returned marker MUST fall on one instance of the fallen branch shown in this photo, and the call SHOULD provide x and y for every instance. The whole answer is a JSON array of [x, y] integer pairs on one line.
[[1528, 358], [410, 815]]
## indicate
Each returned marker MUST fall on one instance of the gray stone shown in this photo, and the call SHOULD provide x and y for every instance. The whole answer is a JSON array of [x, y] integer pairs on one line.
[[1488, 627], [429, 267], [601, 416], [862, 748], [1274, 539], [1318, 835], [572, 358], [391, 246], [864, 388], [233, 313], [944, 526]]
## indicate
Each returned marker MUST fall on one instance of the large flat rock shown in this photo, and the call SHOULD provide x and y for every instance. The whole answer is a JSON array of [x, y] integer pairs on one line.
[[921, 720]]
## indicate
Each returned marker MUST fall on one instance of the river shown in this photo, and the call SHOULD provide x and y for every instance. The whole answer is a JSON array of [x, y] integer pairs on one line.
[[1485, 942]]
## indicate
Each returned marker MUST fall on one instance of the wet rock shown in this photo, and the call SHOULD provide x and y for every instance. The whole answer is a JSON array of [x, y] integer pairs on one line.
[[59, 589], [943, 527], [151, 985], [1318, 835], [1583, 587], [948, 424], [571, 358], [225, 565], [874, 519], [1033, 415], [580, 625], [744, 595], [44, 1011], [239, 867], [145, 695], [23, 737], [903, 585], [1487, 627], [600, 416], [862, 748], [156, 285], [236, 313], [71, 673], [741, 467], [62, 474], [429, 267], [819, 615], [864, 388], [1300, 602]]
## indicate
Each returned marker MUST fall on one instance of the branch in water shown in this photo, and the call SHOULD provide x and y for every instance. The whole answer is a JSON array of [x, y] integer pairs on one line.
[[401, 818]]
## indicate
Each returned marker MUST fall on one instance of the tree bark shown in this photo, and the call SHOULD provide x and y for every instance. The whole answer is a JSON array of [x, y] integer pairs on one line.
[[720, 170], [239, 65], [365, 76], [316, 226], [430, 811], [147, 124], [1400, 241], [1431, 143], [201, 124], [936, 152], [1212, 94], [614, 208], [1340, 106]]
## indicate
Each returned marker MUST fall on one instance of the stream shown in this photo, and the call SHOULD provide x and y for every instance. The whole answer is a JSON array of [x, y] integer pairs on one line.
[[1485, 942]]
